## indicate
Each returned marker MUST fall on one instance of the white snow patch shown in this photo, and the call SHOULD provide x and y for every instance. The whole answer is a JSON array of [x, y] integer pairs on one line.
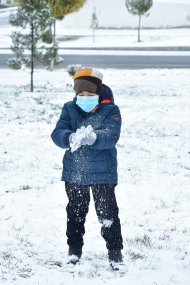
[[107, 223]]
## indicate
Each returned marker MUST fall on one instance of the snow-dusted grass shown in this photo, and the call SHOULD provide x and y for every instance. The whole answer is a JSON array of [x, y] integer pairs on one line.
[[126, 38], [82, 38], [153, 191]]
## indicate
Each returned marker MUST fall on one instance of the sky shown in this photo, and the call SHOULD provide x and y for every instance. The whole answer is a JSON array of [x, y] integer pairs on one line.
[[174, 1]]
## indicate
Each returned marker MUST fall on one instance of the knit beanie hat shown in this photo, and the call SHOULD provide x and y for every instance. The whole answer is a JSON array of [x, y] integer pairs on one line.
[[88, 79]]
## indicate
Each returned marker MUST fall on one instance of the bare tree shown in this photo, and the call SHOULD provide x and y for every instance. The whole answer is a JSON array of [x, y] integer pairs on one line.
[[94, 23]]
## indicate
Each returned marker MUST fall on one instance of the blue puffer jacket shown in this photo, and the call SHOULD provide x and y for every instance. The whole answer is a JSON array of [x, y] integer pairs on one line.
[[95, 164]]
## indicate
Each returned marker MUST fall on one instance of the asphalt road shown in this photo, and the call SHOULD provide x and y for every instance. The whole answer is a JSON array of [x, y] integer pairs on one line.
[[117, 61]]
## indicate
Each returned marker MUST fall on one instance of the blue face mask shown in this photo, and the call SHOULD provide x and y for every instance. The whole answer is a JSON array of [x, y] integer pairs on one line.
[[87, 103]]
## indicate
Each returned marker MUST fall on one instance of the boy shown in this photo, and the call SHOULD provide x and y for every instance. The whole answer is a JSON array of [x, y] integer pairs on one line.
[[89, 128]]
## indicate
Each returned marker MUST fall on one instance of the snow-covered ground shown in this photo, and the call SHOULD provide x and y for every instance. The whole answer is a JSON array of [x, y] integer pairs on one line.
[[153, 191], [126, 38], [82, 38], [77, 38]]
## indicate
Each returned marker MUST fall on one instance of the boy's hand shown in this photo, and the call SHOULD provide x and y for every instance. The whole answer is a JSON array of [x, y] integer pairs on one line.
[[72, 138], [83, 136], [74, 142], [90, 136]]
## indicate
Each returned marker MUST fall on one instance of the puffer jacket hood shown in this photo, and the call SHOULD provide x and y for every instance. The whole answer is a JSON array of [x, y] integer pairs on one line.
[[106, 94]]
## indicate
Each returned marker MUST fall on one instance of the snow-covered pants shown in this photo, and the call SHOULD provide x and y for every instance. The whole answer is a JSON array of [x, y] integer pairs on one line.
[[106, 209]]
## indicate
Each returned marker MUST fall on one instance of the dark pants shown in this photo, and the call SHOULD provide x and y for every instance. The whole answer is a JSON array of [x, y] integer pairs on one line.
[[106, 209]]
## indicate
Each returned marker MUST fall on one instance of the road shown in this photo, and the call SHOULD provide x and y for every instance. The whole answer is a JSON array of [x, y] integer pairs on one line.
[[118, 61]]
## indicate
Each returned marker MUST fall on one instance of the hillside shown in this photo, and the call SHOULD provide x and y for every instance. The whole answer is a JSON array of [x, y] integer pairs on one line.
[[163, 14]]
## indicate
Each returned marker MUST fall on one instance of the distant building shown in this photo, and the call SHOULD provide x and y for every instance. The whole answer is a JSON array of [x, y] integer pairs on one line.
[[8, 2], [114, 14]]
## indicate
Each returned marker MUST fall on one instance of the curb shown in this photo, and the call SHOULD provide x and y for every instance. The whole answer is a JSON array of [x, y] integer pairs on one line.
[[167, 48]]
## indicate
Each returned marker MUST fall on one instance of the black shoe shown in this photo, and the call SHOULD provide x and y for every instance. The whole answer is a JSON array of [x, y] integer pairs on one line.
[[72, 259], [74, 255], [116, 259], [118, 266]]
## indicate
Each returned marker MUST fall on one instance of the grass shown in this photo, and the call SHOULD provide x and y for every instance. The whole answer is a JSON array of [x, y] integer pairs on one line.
[[68, 38]]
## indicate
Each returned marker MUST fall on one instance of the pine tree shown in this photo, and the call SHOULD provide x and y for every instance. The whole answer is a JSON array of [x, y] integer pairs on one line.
[[140, 8], [94, 23], [33, 17], [60, 8]]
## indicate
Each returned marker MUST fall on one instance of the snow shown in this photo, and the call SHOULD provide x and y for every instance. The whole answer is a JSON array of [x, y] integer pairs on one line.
[[82, 38], [114, 52], [153, 191], [105, 38], [125, 38], [107, 223], [83, 136]]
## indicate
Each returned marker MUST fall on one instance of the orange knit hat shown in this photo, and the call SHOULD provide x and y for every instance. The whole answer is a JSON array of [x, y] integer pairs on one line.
[[88, 79]]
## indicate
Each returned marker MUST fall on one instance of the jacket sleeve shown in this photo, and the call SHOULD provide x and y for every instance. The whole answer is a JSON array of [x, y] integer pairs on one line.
[[60, 134], [109, 134]]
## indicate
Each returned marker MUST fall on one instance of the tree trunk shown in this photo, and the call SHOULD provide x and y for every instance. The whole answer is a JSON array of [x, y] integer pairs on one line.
[[54, 31], [52, 63], [93, 31], [139, 28], [32, 57]]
